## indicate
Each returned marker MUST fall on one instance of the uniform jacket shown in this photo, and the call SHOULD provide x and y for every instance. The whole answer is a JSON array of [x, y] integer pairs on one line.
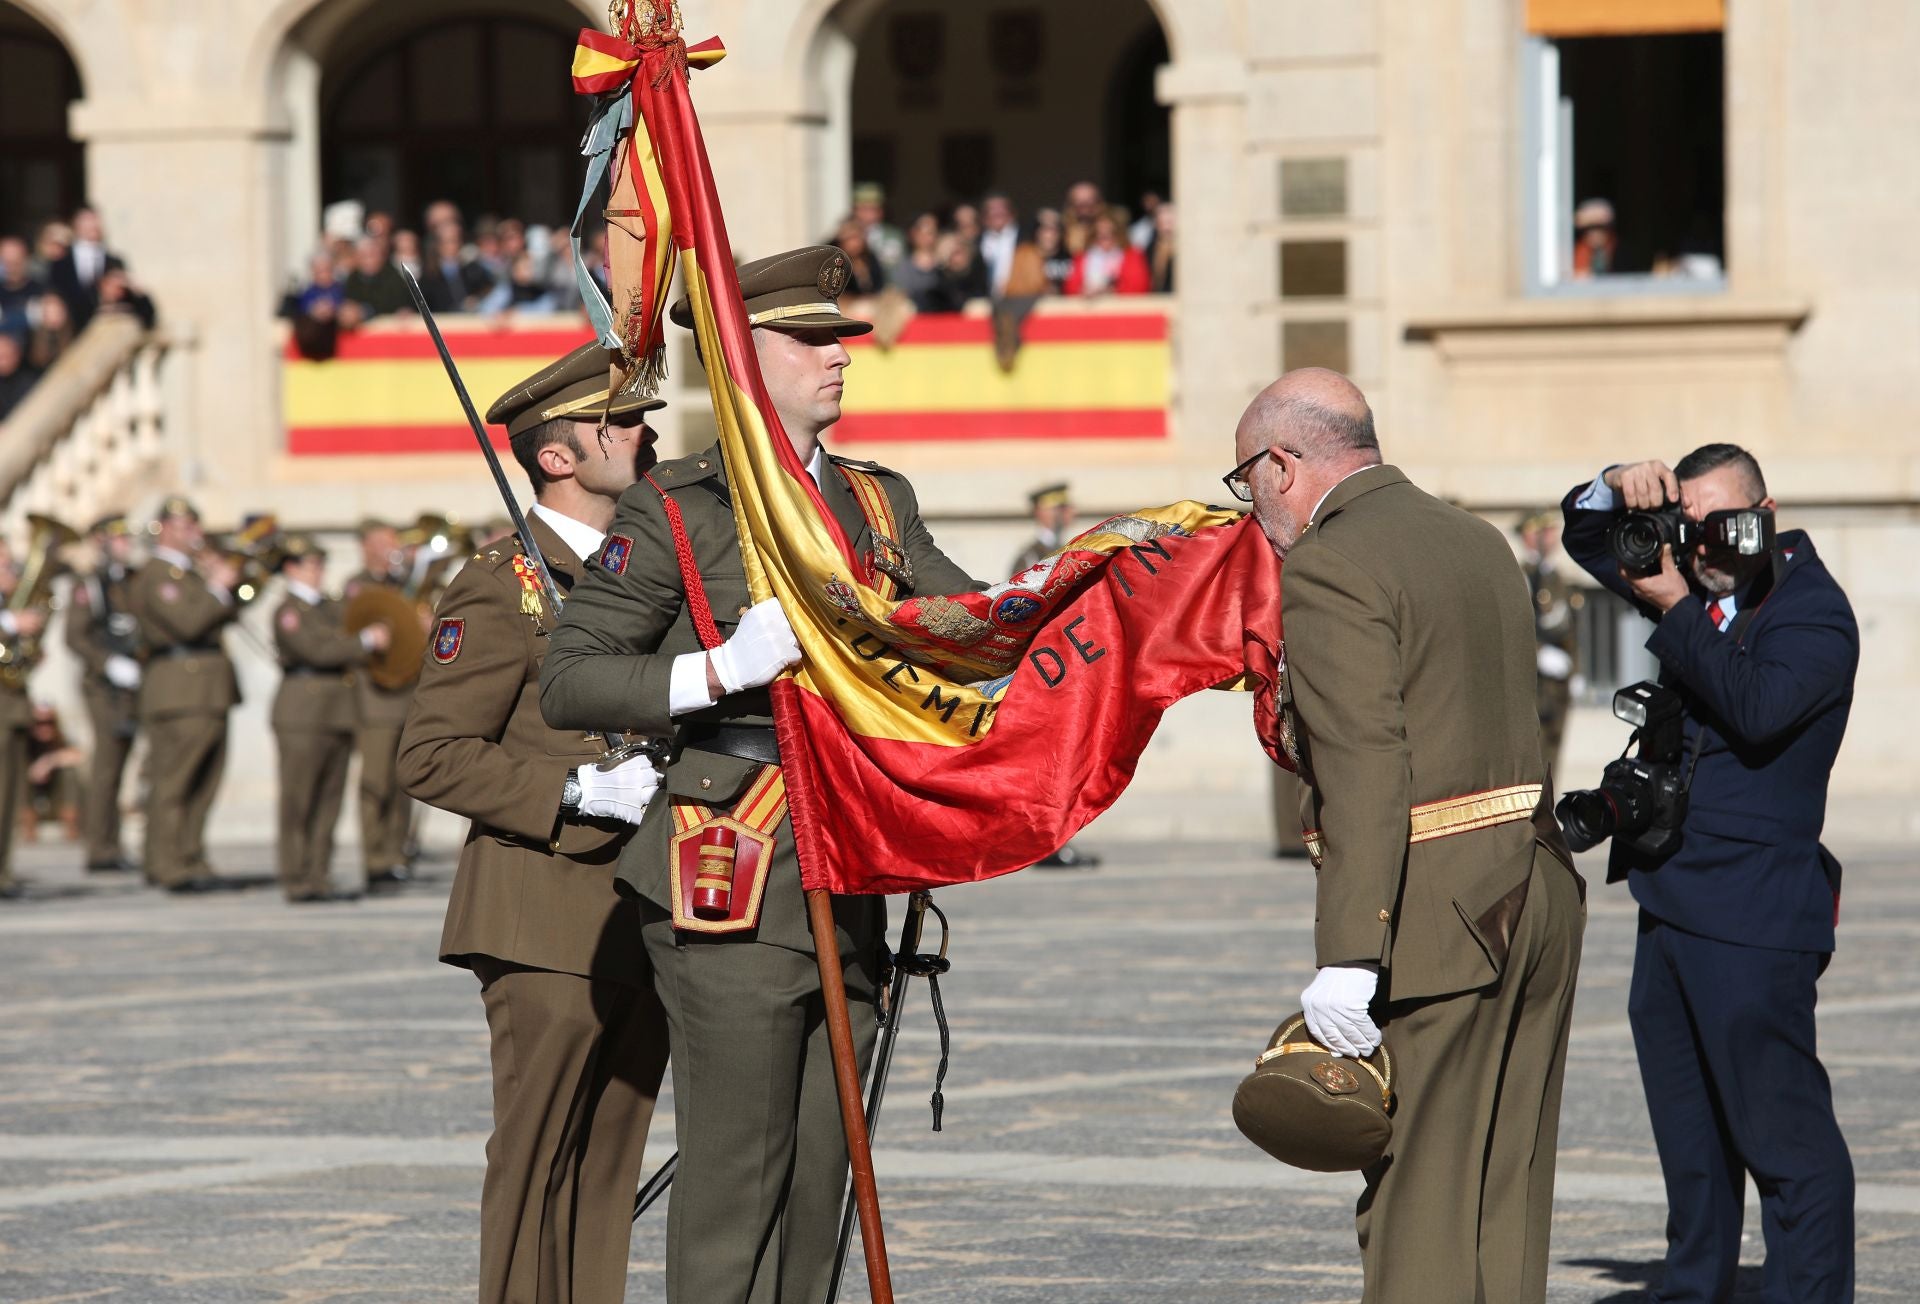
[[611, 659], [1410, 668], [379, 708], [317, 657], [180, 620], [531, 888], [1772, 706], [100, 624]]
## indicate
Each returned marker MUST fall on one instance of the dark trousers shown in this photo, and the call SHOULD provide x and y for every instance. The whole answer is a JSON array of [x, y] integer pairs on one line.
[[1725, 1035]]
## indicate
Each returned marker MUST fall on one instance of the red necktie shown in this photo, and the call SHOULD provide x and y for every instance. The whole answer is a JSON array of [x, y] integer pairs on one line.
[[1717, 613]]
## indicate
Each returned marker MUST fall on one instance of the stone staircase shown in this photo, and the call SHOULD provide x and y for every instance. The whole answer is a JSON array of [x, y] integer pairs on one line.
[[92, 436]]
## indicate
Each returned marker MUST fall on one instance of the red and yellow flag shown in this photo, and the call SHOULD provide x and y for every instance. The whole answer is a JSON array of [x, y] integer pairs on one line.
[[947, 738]]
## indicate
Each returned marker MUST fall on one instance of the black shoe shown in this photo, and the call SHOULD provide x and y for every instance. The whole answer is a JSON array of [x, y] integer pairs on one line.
[[391, 877], [194, 886], [13, 891], [322, 898], [1069, 857], [118, 865]]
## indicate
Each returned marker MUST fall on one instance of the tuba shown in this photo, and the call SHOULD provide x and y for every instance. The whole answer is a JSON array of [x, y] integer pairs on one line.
[[19, 655]]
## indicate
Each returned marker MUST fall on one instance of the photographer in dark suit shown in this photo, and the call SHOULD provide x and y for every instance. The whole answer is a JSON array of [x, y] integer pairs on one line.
[[1737, 920]]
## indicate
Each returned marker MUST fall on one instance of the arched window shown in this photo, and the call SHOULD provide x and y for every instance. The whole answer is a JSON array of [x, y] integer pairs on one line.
[[477, 110], [42, 168]]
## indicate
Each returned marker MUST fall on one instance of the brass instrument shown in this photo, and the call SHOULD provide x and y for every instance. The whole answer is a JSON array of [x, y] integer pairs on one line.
[[438, 542], [254, 551], [19, 655], [396, 665]]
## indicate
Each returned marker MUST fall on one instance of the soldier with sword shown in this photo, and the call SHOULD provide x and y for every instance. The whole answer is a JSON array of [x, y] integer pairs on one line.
[[579, 1041]]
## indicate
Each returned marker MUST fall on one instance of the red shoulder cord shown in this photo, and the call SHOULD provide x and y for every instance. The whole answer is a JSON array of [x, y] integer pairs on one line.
[[697, 605]]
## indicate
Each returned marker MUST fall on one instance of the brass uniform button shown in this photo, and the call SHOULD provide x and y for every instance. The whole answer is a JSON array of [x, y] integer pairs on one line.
[[743, 611], [1385, 917], [706, 783], [703, 464]]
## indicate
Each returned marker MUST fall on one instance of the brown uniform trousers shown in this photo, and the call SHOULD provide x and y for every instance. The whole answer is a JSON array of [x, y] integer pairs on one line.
[[386, 814], [313, 728], [101, 625], [184, 699], [1410, 680], [756, 1200], [16, 713], [579, 1043]]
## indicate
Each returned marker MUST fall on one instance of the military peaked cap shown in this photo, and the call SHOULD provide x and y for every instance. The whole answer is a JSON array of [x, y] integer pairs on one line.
[[1052, 495], [576, 386], [795, 291], [111, 525]]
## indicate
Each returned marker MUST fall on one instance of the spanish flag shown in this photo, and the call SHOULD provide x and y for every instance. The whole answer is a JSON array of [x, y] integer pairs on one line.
[[947, 738]]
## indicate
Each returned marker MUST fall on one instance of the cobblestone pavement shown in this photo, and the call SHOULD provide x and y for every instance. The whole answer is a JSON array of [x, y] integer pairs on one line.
[[228, 1099]]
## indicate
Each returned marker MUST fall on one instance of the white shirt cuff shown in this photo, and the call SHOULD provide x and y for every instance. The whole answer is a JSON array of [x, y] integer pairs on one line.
[[1599, 497], [687, 684], [8, 625]]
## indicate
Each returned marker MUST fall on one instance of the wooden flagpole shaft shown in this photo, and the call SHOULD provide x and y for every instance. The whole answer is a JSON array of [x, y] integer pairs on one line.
[[846, 1080]]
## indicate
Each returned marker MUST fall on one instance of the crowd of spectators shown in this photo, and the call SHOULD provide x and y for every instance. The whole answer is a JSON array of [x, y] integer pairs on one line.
[[50, 291], [499, 265], [943, 260]]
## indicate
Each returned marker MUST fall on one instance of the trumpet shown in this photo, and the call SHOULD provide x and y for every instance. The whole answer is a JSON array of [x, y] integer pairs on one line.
[[437, 542], [252, 550], [19, 654]]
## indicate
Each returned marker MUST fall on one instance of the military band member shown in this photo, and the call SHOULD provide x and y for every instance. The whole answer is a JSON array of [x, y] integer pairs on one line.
[[103, 634], [579, 1040], [16, 715], [1447, 911], [1554, 602], [756, 1199], [188, 688], [385, 812], [313, 716]]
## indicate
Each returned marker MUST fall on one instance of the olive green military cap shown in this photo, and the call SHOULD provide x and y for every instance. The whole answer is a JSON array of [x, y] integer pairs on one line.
[[175, 505], [795, 291], [110, 526], [294, 547], [575, 386]]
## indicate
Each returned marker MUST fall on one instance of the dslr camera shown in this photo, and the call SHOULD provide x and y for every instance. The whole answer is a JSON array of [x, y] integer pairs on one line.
[[1637, 537], [1641, 799]]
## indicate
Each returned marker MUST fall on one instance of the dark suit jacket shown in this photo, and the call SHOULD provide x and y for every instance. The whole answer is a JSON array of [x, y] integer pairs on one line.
[[63, 278], [450, 294], [1769, 709], [1409, 680]]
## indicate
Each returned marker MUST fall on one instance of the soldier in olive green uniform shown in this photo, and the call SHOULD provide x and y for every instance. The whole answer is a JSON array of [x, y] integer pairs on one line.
[[1052, 525], [103, 634], [188, 688], [1554, 602], [756, 1198], [386, 814], [1447, 909], [579, 1040], [313, 717], [16, 714]]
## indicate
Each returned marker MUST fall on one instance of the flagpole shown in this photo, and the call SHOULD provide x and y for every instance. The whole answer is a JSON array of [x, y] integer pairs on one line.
[[846, 1079]]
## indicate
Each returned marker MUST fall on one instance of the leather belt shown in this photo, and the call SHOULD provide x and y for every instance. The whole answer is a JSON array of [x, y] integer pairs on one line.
[[183, 650], [294, 672], [748, 742], [1442, 819]]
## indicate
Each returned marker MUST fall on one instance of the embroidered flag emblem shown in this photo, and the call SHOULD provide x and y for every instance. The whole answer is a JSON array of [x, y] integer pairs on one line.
[[613, 557], [446, 640], [290, 621]]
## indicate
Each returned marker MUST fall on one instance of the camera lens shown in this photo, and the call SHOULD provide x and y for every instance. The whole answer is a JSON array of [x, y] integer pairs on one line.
[[1587, 817], [1635, 540]]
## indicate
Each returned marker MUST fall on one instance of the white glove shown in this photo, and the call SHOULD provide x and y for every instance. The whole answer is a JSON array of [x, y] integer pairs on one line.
[[759, 650], [1553, 662], [1335, 1004], [620, 792], [122, 672]]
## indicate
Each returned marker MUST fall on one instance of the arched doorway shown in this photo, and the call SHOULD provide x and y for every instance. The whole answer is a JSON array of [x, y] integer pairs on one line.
[[42, 168], [951, 99], [473, 109]]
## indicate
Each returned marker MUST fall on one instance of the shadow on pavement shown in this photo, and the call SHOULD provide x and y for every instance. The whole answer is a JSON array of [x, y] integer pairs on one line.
[[1643, 1275]]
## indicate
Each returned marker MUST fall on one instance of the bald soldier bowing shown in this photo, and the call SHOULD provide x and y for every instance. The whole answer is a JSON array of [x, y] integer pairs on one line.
[[1447, 913], [763, 1161], [579, 1043]]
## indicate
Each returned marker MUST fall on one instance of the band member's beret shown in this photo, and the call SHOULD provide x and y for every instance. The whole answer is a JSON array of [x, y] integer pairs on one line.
[[575, 386], [795, 291]]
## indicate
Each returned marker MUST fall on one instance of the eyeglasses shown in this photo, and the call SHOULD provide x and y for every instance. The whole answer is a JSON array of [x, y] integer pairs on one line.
[[1236, 479]]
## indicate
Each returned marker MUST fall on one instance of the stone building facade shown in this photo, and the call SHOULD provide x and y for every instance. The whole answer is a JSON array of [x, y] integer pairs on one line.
[[1382, 185]]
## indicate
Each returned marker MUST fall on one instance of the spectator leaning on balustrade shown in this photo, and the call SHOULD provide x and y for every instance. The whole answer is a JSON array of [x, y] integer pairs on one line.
[[1737, 920]]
